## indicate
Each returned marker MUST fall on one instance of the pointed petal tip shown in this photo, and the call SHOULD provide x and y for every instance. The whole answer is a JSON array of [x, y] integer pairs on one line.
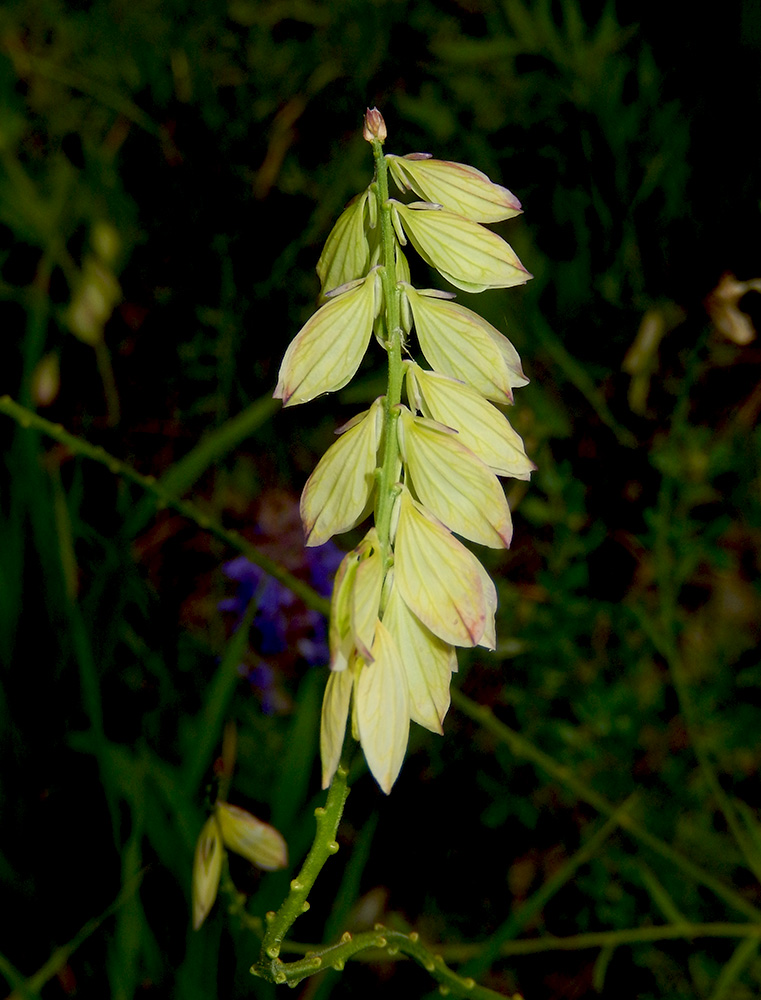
[[507, 538]]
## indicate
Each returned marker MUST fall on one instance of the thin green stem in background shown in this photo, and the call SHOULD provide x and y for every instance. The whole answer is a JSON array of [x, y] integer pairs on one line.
[[31, 987], [28, 419], [533, 906], [591, 940], [523, 748]]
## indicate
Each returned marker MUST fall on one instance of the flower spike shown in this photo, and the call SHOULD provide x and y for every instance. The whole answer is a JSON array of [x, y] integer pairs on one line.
[[410, 592]]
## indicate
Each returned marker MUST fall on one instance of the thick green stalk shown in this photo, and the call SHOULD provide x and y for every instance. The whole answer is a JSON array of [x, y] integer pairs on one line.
[[324, 846], [394, 334]]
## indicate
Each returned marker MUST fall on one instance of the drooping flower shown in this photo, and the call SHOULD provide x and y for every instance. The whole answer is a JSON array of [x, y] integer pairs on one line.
[[456, 341], [338, 494], [327, 351], [452, 482], [440, 580], [479, 425], [467, 254]]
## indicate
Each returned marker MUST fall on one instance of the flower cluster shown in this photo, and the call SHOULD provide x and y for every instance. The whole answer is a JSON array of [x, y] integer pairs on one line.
[[410, 592]]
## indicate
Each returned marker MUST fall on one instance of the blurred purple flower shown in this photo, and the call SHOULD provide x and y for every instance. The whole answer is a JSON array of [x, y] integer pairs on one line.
[[282, 623]]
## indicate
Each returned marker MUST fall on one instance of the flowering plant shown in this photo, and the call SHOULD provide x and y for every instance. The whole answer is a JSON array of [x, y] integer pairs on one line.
[[427, 468], [424, 461]]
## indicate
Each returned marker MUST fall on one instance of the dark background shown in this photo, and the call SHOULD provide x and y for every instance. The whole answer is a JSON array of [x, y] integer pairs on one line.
[[168, 174]]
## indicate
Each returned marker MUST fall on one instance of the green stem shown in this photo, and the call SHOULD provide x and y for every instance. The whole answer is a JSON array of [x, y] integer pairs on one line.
[[392, 299], [323, 847], [384, 943], [462, 951]]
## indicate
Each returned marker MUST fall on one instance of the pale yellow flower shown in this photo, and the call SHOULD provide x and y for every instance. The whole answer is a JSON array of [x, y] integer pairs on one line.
[[355, 603], [452, 482], [328, 349], [377, 692], [346, 254], [338, 494], [441, 581], [466, 254], [479, 425], [458, 342], [456, 186]]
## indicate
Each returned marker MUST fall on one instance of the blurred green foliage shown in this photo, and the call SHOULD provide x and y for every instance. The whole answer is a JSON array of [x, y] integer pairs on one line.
[[168, 172]]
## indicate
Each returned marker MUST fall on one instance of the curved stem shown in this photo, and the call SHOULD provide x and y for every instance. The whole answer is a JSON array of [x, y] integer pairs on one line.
[[390, 943], [28, 419], [324, 846]]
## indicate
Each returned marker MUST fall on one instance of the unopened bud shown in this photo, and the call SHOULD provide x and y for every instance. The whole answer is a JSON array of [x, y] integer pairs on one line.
[[375, 127], [207, 867], [258, 842]]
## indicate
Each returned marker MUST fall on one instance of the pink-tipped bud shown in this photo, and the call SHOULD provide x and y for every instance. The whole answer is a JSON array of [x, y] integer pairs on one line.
[[375, 127]]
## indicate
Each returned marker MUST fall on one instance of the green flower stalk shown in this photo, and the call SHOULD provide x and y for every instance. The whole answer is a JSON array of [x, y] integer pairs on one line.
[[425, 467]]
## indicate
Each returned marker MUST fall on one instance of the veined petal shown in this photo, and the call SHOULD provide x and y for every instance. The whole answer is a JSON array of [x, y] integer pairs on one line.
[[453, 483], [479, 425], [441, 582], [340, 637], [366, 594], [458, 342], [346, 253], [207, 867], [335, 712], [382, 704], [466, 254], [489, 639], [457, 186], [326, 352], [258, 842], [428, 663], [338, 494]]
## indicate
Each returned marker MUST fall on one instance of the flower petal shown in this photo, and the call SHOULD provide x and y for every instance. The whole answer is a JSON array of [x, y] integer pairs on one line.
[[453, 483], [382, 704], [335, 712], [457, 186], [440, 580], [479, 425], [340, 637], [258, 842], [428, 663], [207, 866], [458, 342], [366, 594], [328, 349], [346, 253], [338, 494], [466, 254]]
